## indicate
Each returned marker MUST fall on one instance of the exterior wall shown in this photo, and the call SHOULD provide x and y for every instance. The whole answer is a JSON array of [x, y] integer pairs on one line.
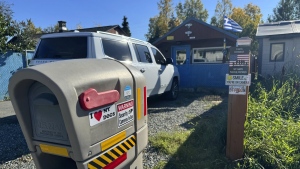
[[165, 48], [11, 62], [197, 34], [291, 55], [203, 75], [260, 55]]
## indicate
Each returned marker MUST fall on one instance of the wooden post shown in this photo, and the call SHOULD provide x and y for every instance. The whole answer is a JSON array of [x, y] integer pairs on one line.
[[237, 110]]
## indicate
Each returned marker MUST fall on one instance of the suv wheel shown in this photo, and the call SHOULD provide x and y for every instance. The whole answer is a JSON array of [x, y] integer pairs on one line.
[[173, 93]]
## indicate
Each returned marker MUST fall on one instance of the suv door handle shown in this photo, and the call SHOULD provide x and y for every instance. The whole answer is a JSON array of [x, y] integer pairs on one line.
[[142, 70]]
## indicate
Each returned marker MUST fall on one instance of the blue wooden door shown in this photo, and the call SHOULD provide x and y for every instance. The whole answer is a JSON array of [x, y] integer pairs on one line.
[[181, 57]]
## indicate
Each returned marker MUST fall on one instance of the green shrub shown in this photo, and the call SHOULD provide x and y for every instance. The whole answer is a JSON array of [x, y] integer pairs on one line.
[[272, 136]]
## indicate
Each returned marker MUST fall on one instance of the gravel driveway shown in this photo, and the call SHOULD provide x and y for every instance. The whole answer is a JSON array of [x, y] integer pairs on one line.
[[162, 116]]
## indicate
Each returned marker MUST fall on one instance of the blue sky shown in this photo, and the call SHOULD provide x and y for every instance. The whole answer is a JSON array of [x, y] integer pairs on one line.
[[91, 13]]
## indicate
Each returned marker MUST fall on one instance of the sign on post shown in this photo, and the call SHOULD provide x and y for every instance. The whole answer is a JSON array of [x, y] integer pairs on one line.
[[238, 70], [237, 90], [239, 61], [241, 80]]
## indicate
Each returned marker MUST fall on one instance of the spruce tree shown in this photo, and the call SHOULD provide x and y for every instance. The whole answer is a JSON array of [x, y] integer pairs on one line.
[[125, 26]]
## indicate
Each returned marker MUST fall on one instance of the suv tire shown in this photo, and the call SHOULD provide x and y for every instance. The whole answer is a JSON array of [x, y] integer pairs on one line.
[[173, 93]]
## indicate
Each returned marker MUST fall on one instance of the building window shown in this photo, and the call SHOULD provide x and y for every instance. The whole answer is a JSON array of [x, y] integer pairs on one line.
[[208, 55], [277, 52], [180, 57]]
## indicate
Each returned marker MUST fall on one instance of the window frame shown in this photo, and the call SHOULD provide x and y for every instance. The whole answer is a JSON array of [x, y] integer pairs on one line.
[[209, 49], [139, 59], [44, 47], [157, 60], [283, 52], [183, 62], [118, 41]]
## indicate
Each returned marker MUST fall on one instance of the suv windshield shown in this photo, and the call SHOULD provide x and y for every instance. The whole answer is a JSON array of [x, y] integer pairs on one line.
[[62, 48]]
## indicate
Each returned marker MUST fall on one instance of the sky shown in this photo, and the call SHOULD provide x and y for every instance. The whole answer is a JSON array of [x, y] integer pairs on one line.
[[92, 13]]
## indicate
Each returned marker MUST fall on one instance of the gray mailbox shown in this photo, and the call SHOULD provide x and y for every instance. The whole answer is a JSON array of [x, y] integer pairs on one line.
[[82, 113]]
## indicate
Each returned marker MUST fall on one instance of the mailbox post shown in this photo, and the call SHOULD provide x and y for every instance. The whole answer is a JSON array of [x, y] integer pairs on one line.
[[84, 113]]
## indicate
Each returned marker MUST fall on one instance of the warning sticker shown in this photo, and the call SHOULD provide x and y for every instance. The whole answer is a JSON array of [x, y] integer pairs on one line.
[[125, 113], [101, 115]]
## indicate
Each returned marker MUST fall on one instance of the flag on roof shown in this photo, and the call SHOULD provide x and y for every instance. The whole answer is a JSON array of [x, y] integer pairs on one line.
[[230, 24]]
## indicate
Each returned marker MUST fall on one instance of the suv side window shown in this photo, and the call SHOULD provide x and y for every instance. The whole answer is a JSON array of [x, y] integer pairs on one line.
[[117, 49], [143, 54], [159, 58]]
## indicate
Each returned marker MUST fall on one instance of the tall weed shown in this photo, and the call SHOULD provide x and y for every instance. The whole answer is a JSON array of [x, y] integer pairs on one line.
[[272, 136]]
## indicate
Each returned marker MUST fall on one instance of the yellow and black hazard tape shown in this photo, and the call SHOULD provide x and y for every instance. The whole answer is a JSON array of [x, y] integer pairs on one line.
[[111, 155]]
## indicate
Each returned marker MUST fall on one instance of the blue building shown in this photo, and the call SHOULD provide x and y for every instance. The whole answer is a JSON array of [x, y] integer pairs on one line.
[[198, 51]]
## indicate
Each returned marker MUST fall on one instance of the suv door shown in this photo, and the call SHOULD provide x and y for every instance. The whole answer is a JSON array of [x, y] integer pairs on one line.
[[165, 71], [148, 68]]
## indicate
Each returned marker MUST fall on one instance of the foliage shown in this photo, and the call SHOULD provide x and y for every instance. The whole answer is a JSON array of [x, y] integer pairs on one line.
[[51, 29], [286, 10], [125, 26], [174, 22], [6, 98], [248, 18], [272, 125], [213, 21], [191, 8], [223, 8], [20, 34], [159, 25], [166, 20], [297, 6], [25, 37], [153, 30], [271, 138], [162, 141], [7, 26]]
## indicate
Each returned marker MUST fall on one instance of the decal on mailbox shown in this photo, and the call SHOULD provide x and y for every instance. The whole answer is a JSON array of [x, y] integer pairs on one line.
[[125, 113], [127, 92], [101, 115]]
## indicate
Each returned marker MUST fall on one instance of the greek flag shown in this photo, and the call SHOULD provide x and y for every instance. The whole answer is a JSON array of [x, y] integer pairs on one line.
[[230, 24]]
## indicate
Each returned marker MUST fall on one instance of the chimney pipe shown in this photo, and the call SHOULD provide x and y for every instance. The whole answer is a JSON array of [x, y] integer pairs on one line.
[[62, 26]]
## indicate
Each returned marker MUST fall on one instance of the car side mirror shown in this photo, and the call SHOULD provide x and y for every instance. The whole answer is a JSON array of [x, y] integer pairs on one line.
[[169, 61]]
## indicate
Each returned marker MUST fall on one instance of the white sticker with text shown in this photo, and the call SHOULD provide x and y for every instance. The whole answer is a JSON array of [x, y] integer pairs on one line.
[[101, 115], [125, 113]]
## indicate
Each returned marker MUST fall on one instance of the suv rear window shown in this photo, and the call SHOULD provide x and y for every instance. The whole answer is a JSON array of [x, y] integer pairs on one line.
[[117, 49], [62, 48]]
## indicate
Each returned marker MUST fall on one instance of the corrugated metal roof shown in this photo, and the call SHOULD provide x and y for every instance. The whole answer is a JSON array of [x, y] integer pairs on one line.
[[278, 28]]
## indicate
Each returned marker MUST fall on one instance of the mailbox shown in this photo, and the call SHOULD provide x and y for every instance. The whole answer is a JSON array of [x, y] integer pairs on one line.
[[84, 113]]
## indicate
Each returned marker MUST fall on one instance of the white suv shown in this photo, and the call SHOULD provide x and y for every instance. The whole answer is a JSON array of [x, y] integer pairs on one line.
[[161, 76]]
